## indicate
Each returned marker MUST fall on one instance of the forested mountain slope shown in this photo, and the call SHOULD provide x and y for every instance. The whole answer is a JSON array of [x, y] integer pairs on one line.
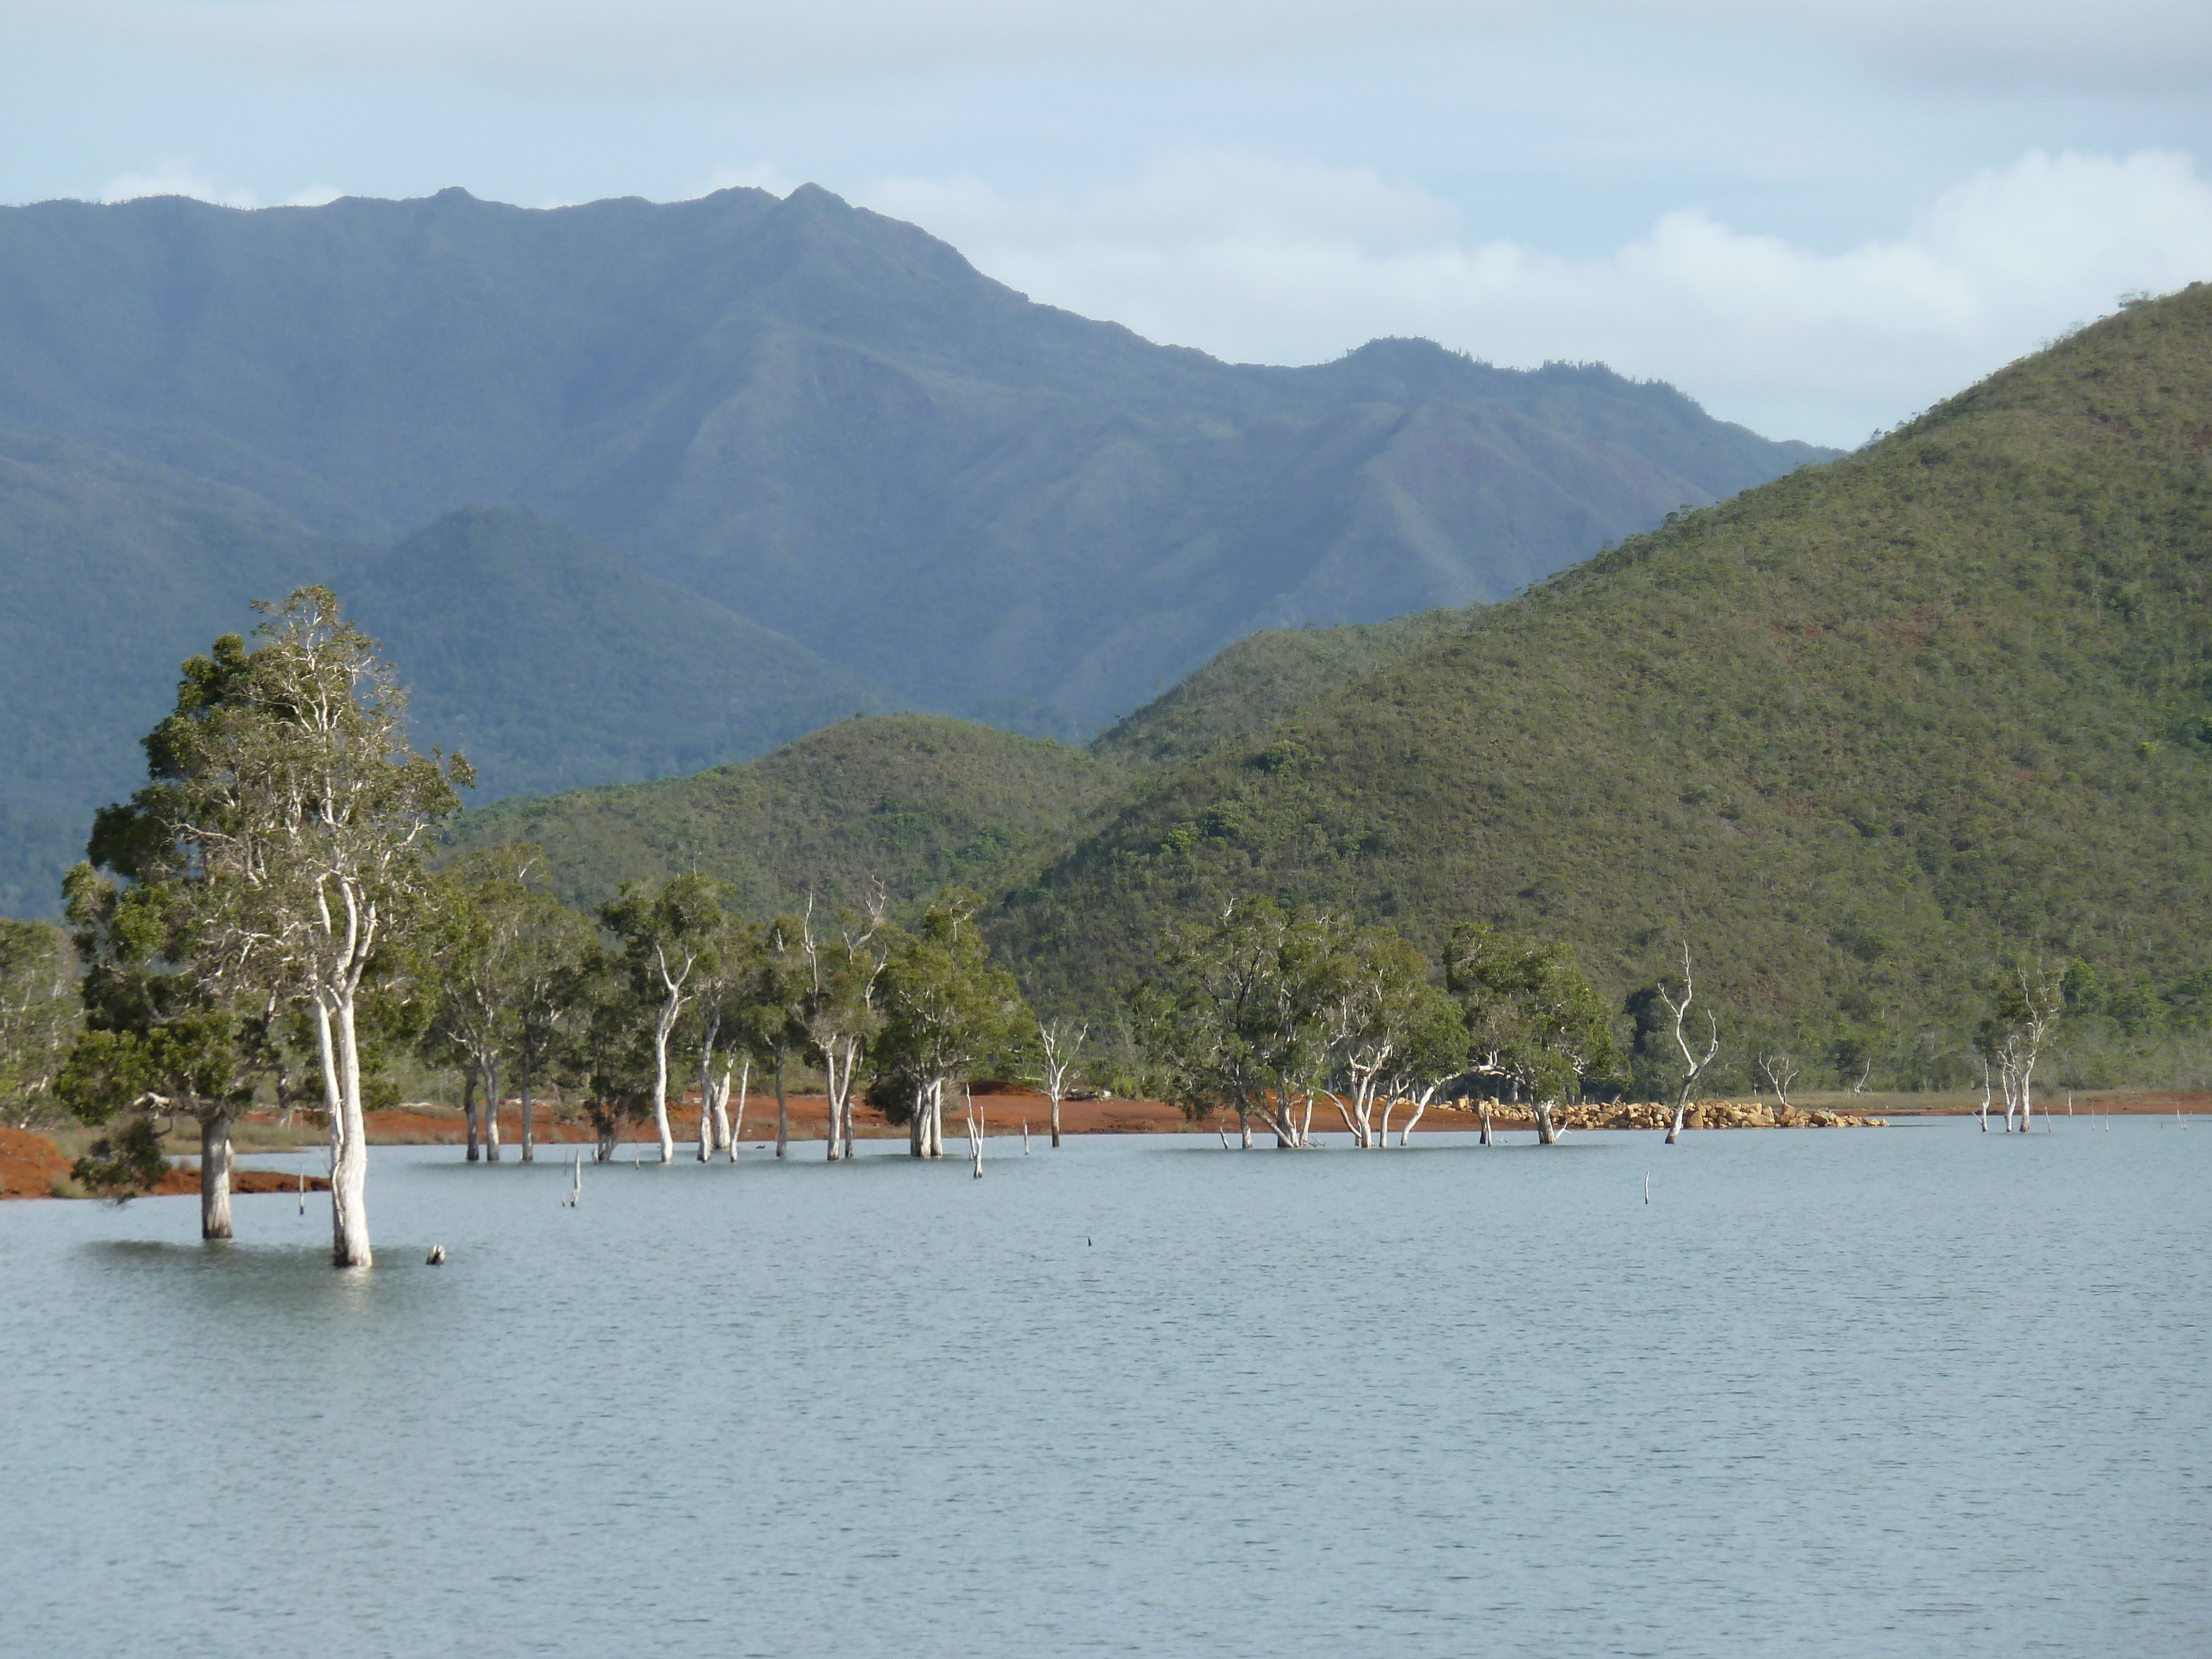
[[550, 661], [1853, 734], [914, 801], [828, 422], [111, 571]]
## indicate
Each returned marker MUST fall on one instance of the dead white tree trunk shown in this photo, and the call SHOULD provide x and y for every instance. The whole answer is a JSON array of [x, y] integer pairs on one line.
[[1060, 1049], [738, 1121], [1694, 1063], [1780, 1072], [1421, 1103], [215, 1173], [975, 1135]]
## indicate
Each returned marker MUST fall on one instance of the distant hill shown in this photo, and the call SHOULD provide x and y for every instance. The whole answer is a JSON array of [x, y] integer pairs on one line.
[[827, 423], [916, 801], [111, 571], [1853, 735], [552, 663]]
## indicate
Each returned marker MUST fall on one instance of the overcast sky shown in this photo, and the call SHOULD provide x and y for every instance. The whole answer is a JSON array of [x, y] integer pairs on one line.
[[1816, 219]]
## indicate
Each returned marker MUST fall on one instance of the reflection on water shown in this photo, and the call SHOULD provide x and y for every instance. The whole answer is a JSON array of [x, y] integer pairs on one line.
[[1921, 1391]]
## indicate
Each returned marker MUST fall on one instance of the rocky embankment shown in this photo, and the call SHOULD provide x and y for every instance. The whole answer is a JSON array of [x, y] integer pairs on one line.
[[1702, 1114]]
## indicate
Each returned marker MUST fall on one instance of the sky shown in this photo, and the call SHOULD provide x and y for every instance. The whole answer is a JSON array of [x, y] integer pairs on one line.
[[1816, 219]]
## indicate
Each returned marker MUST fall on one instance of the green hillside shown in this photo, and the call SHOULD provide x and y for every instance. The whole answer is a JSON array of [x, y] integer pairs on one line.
[[552, 663], [913, 800], [1853, 733], [1260, 680]]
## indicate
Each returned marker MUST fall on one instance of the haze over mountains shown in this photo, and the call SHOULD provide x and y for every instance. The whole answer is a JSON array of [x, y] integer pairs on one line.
[[806, 461]]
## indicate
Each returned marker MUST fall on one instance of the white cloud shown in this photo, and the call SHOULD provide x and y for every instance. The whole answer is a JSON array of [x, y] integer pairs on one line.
[[760, 175], [176, 175], [1262, 261]]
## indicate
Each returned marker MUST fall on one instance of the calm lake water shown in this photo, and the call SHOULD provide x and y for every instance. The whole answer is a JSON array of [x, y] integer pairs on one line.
[[1915, 1392]]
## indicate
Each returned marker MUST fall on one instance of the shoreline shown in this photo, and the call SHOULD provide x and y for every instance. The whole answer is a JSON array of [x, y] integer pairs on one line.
[[33, 1166]]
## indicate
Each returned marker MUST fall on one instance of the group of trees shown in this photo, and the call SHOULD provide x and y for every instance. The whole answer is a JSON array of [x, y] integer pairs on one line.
[[261, 914], [1265, 1012]]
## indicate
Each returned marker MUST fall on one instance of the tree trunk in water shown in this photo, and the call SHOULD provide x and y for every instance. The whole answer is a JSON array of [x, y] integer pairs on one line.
[[215, 1176], [1547, 1133], [529, 1129], [1681, 1108], [1244, 1126], [738, 1124], [710, 1108], [782, 1112], [660, 1087], [468, 1108], [1486, 1125], [491, 1114], [1406, 1134], [1055, 1117], [348, 1146], [2026, 1100]]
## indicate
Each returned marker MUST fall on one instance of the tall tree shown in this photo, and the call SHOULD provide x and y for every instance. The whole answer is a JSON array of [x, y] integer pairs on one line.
[[1058, 1044], [773, 1009], [296, 814], [669, 931], [948, 1009], [1694, 1065], [2026, 1002], [843, 963], [1392, 1031]]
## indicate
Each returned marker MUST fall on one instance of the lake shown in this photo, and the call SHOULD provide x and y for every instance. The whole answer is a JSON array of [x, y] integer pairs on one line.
[[1920, 1391]]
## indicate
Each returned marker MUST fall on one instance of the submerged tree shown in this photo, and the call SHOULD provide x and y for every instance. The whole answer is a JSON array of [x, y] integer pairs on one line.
[[1393, 1033], [1532, 1018], [1677, 1004], [1238, 1015], [670, 932], [295, 815], [161, 1043], [2025, 1003], [1058, 1044], [947, 1010], [838, 1005]]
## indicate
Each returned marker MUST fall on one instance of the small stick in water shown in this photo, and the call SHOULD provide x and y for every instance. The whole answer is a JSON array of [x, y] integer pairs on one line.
[[437, 1256], [1647, 1185]]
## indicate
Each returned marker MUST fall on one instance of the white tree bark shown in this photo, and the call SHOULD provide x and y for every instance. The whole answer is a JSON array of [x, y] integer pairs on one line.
[[350, 1246], [1695, 1064], [529, 1129], [215, 1175]]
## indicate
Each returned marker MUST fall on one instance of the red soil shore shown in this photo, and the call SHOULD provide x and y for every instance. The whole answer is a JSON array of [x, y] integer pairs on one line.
[[30, 1164]]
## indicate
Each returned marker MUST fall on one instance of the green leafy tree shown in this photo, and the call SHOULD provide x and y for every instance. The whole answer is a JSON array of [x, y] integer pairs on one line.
[[1532, 1018], [291, 815], [1238, 1015], [948, 1009], [1395, 1033]]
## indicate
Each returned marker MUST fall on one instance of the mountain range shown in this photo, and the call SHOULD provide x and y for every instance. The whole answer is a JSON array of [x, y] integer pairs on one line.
[[729, 469]]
